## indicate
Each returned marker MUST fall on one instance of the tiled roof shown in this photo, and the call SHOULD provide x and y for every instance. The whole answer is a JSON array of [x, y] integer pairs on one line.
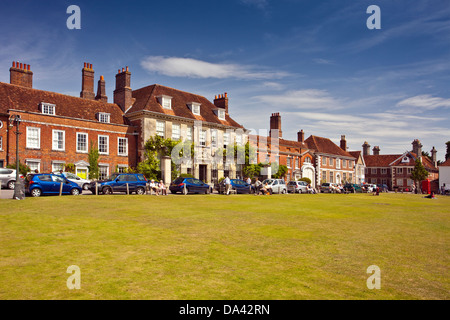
[[446, 163], [28, 99], [325, 145], [382, 160], [356, 154], [386, 160], [146, 99]]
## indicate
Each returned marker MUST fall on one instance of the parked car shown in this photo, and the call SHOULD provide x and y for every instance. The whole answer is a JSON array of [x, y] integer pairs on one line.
[[83, 183], [297, 187], [352, 187], [277, 185], [189, 185], [328, 187], [117, 182], [383, 187], [8, 178], [236, 184], [38, 184]]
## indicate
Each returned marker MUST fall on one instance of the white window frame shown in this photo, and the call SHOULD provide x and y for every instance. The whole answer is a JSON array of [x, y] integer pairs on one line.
[[189, 133], [54, 135], [104, 117], [165, 101], [176, 134], [29, 146], [373, 171], [125, 146], [383, 171], [87, 140], [202, 138], [1, 143], [158, 127], [195, 108], [99, 171], [107, 144], [213, 138], [324, 161], [32, 168], [226, 138], [288, 162], [58, 165], [48, 108], [221, 114], [344, 163]]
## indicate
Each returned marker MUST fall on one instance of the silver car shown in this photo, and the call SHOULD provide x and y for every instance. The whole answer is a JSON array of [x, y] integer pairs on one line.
[[297, 187], [8, 178], [277, 185], [83, 183]]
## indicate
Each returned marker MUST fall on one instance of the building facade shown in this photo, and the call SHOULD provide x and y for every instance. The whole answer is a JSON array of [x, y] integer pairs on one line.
[[57, 130]]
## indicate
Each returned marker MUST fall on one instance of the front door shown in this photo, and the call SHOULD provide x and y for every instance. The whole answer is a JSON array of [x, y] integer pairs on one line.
[[202, 172], [82, 173]]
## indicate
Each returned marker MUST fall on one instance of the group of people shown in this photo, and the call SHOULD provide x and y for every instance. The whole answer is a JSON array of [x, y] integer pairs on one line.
[[158, 188]]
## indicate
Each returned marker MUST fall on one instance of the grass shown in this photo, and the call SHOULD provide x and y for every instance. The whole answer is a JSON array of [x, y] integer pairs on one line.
[[225, 247]]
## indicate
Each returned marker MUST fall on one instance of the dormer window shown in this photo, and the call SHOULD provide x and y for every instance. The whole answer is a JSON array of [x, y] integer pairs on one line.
[[48, 108], [104, 117], [220, 113], [165, 101], [195, 108], [405, 159]]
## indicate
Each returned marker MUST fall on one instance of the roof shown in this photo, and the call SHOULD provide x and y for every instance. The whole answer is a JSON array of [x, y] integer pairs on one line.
[[146, 99], [387, 160], [325, 145], [29, 100], [382, 160], [446, 163]]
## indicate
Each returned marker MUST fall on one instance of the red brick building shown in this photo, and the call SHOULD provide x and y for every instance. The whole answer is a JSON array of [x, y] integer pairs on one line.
[[58, 129], [394, 170]]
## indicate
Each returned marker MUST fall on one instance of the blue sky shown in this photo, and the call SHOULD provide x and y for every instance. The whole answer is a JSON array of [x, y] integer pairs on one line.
[[315, 62]]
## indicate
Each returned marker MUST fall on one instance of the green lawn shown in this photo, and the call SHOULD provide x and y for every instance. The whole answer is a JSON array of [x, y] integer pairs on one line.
[[225, 247]]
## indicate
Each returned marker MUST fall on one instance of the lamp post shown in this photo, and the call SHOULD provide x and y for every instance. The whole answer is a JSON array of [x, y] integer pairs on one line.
[[18, 188]]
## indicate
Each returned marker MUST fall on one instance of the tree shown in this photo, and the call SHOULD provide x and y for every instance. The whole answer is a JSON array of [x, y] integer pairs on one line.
[[419, 172], [306, 179], [23, 168], [447, 155], [282, 170], [93, 156]]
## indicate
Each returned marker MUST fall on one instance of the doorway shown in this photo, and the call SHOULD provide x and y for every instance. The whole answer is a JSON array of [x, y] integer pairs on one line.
[[202, 172]]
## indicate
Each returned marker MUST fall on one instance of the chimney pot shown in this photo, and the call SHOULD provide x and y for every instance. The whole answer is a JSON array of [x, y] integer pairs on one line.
[[14, 64], [19, 75]]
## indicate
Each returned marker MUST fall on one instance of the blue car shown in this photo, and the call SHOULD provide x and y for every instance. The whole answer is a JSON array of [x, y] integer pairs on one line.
[[236, 184], [118, 182], [48, 183], [189, 185]]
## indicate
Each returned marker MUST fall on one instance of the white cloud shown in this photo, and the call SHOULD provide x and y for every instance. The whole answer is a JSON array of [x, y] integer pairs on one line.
[[192, 68], [424, 102], [310, 99]]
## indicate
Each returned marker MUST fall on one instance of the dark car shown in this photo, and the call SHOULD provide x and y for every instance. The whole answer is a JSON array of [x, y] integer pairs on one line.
[[48, 183], [189, 185], [236, 184], [121, 182]]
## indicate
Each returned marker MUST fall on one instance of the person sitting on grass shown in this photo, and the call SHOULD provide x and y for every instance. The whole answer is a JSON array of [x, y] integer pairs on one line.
[[430, 196], [162, 188]]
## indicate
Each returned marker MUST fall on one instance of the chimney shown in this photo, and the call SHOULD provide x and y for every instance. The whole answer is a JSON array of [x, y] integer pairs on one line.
[[20, 75], [343, 143], [123, 92], [417, 148], [221, 101], [366, 149], [376, 151], [101, 90], [433, 156], [275, 125], [87, 82], [301, 136]]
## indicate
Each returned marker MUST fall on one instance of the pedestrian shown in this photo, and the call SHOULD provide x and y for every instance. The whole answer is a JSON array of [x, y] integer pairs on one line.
[[249, 180], [36, 171], [227, 185], [257, 186]]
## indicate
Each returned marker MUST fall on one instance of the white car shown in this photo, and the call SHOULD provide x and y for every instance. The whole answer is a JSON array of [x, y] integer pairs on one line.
[[83, 183]]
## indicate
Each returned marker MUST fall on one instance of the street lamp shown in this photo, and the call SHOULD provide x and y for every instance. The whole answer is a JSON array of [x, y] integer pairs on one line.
[[18, 187]]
